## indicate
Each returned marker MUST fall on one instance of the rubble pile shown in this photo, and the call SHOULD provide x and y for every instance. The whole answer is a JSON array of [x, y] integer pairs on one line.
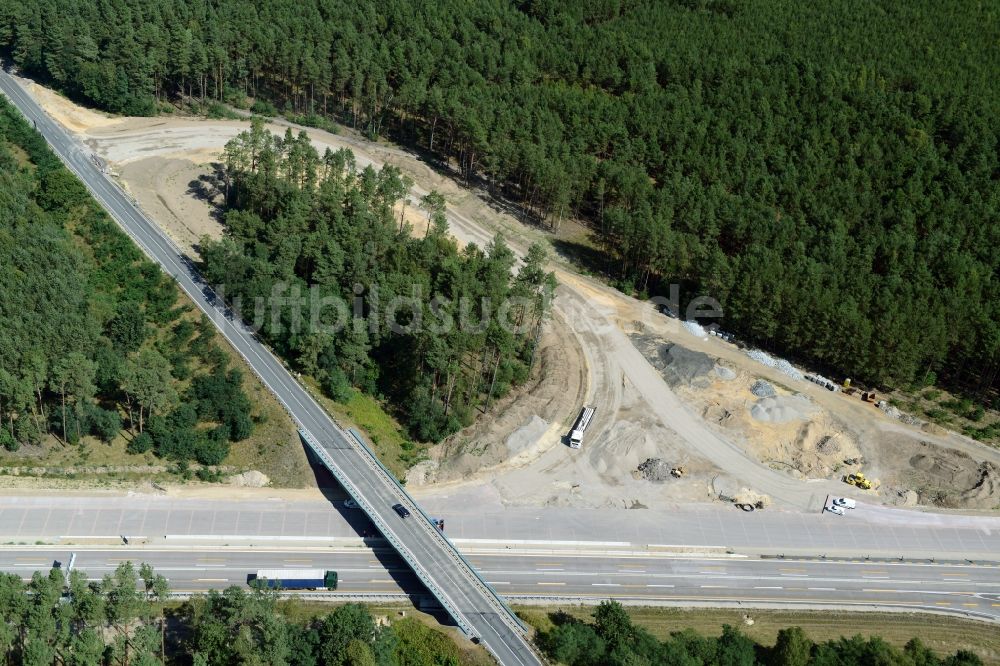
[[655, 469]]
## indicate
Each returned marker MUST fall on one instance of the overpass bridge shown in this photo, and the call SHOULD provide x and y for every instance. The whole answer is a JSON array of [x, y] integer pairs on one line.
[[473, 605]]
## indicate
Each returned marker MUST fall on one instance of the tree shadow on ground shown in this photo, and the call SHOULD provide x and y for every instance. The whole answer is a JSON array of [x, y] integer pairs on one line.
[[585, 257], [211, 189]]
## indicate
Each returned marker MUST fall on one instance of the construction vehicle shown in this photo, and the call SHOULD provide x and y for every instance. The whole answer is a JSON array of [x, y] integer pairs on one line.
[[858, 480], [677, 472], [582, 421]]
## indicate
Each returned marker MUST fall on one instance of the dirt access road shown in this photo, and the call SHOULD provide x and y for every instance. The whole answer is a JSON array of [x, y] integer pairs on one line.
[[167, 162]]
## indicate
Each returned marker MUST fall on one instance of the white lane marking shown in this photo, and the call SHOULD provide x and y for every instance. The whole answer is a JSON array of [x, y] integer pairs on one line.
[[822, 589], [605, 584], [769, 587]]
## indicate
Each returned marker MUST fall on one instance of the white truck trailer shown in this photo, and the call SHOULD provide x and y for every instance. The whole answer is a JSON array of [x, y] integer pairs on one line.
[[582, 421], [294, 579]]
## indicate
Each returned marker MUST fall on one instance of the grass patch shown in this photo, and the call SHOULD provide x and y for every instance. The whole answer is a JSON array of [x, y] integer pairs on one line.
[[960, 413], [314, 120], [383, 433], [944, 634], [274, 447]]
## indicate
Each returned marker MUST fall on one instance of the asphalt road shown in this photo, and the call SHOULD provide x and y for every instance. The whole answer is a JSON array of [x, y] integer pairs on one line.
[[866, 531], [960, 588], [475, 607]]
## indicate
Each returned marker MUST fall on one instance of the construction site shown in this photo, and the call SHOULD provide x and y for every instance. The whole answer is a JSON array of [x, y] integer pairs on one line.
[[682, 415]]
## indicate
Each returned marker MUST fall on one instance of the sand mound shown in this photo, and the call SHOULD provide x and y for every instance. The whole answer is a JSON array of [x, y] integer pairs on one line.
[[828, 445], [718, 414], [626, 446], [251, 479], [728, 489], [986, 492], [953, 479], [724, 373], [527, 435], [782, 409], [69, 114]]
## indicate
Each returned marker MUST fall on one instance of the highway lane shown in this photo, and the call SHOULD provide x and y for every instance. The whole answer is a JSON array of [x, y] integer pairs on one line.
[[475, 607], [955, 587], [866, 530]]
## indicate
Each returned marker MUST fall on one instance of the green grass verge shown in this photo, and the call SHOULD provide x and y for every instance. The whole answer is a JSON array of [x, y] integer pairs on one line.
[[382, 432]]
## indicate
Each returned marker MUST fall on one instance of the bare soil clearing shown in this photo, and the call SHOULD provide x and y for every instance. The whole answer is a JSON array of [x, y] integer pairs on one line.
[[793, 432], [178, 193], [590, 354]]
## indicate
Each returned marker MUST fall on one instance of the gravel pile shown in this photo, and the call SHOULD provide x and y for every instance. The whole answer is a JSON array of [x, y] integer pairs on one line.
[[761, 357], [781, 365], [683, 366], [763, 389], [787, 368], [695, 329], [891, 412], [655, 469]]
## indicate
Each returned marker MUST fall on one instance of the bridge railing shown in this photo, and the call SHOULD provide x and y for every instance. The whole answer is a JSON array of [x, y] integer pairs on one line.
[[324, 456], [497, 599]]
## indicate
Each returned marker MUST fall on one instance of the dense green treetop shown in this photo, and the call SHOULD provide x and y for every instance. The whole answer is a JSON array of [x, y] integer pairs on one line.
[[91, 337], [306, 233], [828, 171]]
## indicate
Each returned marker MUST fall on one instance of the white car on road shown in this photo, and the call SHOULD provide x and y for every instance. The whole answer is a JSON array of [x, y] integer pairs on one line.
[[844, 502]]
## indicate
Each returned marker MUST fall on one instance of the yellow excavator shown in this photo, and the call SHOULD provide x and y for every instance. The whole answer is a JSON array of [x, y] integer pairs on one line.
[[858, 479]]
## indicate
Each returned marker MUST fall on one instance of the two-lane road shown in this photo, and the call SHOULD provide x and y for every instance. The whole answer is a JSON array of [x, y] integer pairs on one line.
[[474, 606]]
